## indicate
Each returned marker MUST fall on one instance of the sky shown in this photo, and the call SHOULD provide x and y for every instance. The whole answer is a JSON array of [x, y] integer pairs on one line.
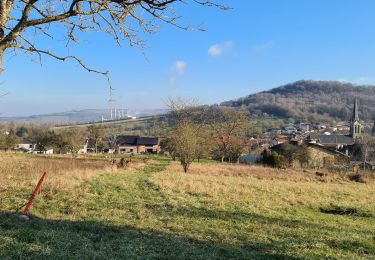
[[255, 46]]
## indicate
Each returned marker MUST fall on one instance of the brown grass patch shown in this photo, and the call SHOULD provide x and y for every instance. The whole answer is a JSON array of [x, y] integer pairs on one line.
[[19, 174], [267, 173], [255, 186], [254, 171]]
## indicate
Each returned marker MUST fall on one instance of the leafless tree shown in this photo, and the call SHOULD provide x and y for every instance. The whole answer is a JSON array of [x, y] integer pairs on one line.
[[367, 148], [229, 128], [96, 133], [186, 143], [26, 24], [182, 139]]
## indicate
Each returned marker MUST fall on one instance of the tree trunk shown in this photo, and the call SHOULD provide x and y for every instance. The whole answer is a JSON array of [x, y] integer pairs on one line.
[[186, 167]]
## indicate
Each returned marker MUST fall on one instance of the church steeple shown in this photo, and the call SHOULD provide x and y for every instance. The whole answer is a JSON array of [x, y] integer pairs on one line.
[[355, 111], [355, 125]]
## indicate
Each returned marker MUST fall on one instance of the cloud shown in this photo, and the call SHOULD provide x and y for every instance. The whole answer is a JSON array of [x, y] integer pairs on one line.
[[220, 48], [180, 66], [178, 71], [259, 48]]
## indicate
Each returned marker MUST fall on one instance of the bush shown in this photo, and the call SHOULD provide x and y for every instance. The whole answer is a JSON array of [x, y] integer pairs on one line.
[[273, 159], [357, 177]]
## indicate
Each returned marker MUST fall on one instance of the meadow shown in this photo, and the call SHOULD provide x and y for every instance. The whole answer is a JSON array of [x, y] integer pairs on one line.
[[91, 208]]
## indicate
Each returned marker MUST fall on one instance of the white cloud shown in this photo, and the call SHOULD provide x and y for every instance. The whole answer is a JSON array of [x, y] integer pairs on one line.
[[180, 66], [263, 47], [178, 71], [220, 48]]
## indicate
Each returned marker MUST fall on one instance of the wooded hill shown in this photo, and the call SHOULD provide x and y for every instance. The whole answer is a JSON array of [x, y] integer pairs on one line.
[[311, 100]]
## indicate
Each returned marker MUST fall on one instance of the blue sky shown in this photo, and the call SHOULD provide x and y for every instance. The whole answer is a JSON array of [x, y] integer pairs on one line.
[[258, 45]]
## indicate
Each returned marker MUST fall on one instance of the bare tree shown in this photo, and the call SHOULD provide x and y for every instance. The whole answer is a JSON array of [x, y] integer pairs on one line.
[[229, 128], [182, 139], [96, 133], [74, 140], [367, 148], [186, 143], [24, 24]]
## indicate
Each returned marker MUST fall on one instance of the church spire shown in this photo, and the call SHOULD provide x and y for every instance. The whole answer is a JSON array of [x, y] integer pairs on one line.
[[355, 125], [355, 116]]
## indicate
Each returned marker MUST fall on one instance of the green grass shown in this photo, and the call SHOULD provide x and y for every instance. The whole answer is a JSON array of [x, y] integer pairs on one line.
[[137, 215]]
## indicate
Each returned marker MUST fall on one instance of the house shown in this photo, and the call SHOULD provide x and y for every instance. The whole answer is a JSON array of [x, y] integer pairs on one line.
[[290, 130], [322, 157], [137, 144], [46, 150], [250, 158], [304, 127], [319, 156], [280, 139], [25, 146], [340, 143]]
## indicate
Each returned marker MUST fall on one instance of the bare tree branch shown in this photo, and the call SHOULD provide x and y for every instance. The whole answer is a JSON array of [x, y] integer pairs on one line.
[[123, 20]]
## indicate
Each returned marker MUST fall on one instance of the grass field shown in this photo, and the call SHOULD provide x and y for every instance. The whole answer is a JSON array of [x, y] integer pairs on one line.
[[140, 126], [90, 209]]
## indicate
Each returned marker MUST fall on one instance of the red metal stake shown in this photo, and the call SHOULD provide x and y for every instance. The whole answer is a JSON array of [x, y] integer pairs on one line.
[[37, 188]]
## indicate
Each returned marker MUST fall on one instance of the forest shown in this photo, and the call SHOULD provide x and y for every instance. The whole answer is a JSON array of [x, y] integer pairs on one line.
[[315, 101]]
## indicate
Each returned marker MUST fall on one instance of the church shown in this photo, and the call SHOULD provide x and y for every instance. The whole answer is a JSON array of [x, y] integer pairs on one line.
[[340, 143]]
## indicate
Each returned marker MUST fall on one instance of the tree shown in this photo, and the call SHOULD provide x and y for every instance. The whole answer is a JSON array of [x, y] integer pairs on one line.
[[61, 143], [22, 131], [367, 145], [303, 155], [294, 152], [182, 139], [43, 138], [96, 133], [186, 143], [112, 141], [24, 23], [289, 152], [69, 141], [229, 128], [76, 139], [8, 141], [169, 144], [273, 159]]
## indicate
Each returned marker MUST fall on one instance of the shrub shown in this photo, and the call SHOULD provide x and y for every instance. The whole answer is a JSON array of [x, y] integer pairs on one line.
[[357, 177], [273, 159]]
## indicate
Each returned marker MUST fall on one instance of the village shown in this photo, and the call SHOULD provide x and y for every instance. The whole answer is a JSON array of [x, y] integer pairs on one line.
[[187, 129], [299, 145]]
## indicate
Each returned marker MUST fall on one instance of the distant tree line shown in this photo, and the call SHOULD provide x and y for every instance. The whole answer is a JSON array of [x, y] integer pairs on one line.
[[62, 141], [314, 101]]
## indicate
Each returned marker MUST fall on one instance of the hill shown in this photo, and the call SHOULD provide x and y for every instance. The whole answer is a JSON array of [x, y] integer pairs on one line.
[[311, 100], [79, 116]]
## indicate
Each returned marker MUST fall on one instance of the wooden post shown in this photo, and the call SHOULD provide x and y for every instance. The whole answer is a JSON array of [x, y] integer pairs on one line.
[[37, 188]]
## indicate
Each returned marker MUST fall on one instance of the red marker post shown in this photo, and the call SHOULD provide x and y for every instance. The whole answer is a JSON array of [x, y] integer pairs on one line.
[[37, 188]]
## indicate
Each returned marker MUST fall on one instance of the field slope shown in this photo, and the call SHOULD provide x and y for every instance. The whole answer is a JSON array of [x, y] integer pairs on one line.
[[217, 211]]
